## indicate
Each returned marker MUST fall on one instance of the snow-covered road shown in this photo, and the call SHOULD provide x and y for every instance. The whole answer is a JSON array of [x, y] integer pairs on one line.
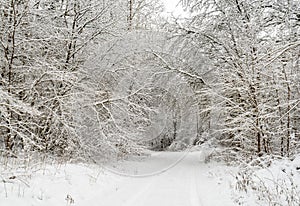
[[160, 179], [169, 179]]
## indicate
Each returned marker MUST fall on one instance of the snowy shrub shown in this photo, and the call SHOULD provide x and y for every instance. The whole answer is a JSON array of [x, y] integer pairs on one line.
[[275, 185], [177, 146]]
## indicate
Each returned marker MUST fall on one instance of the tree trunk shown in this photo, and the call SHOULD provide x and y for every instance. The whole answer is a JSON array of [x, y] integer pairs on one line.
[[130, 16], [288, 124]]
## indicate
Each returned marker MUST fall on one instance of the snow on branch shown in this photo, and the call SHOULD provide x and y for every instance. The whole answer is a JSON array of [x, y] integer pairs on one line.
[[180, 71]]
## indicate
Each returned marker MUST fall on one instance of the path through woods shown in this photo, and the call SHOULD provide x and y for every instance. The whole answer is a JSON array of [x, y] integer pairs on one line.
[[170, 179]]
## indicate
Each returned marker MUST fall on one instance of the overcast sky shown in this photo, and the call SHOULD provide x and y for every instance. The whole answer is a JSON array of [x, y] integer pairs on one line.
[[172, 6]]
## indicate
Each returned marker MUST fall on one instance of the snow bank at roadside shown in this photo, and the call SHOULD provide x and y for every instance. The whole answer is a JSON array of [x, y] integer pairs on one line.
[[277, 184], [54, 185]]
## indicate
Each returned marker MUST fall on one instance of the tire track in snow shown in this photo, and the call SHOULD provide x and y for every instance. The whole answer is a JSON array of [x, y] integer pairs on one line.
[[163, 185], [195, 199], [132, 200], [184, 184]]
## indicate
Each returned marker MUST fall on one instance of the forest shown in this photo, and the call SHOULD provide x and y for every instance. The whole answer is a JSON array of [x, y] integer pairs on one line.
[[100, 80], [91, 78]]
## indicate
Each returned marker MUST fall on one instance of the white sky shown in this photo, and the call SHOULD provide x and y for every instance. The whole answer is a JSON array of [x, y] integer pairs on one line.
[[173, 7]]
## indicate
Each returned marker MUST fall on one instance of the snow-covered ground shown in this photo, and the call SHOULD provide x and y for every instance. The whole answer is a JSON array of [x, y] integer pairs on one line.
[[166, 178], [277, 182], [158, 179]]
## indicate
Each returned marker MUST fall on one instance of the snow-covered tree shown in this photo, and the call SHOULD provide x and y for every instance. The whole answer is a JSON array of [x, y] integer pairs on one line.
[[43, 45], [252, 46], [144, 14]]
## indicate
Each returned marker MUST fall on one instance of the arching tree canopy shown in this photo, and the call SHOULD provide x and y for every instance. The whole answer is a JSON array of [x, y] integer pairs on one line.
[[109, 77]]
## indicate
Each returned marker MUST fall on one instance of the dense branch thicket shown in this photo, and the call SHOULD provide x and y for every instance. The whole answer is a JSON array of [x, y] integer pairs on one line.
[[43, 46], [99, 78], [253, 48], [68, 73]]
